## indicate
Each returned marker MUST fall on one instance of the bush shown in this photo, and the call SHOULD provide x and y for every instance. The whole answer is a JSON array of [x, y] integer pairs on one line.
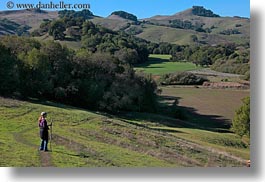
[[182, 78], [241, 121], [125, 15]]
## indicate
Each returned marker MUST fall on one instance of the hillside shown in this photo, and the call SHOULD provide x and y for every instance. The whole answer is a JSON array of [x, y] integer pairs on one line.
[[178, 28], [208, 29], [10, 27], [83, 138], [31, 18]]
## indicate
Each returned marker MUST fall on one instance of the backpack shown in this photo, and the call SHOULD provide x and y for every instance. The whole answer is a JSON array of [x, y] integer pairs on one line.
[[42, 122]]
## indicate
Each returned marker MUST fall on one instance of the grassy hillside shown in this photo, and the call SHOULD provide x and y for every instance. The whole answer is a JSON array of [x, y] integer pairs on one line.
[[154, 29], [158, 34], [89, 139], [31, 18], [75, 45], [111, 22]]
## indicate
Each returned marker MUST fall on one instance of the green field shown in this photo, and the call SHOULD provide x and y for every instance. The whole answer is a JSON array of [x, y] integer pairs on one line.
[[86, 139], [159, 65]]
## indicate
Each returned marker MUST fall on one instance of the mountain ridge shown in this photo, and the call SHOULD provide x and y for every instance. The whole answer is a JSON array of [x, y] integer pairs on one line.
[[178, 28]]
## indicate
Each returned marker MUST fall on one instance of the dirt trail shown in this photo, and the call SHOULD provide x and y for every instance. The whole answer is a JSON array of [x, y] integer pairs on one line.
[[45, 157]]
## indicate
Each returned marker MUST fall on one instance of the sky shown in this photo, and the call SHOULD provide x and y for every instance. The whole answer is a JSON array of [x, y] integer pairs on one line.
[[148, 8]]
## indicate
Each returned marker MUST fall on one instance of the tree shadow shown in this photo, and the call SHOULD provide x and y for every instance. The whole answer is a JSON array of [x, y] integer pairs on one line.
[[150, 62], [155, 67], [173, 115], [169, 114], [192, 115]]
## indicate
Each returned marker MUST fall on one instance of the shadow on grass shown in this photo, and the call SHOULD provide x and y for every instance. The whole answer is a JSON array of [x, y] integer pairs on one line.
[[172, 115], [169, 114], [81, 155], [62, 105], [155, 67], [150, 62]]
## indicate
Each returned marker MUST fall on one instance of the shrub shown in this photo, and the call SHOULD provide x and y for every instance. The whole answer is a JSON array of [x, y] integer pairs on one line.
[[182, 78], [241, 121]]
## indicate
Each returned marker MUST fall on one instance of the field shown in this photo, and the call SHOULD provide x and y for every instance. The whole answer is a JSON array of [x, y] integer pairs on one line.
[[159, 65], [204, 100], [83, 138]]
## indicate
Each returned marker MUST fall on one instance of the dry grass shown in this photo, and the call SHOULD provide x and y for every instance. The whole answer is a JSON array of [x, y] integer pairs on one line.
[[219, 102]]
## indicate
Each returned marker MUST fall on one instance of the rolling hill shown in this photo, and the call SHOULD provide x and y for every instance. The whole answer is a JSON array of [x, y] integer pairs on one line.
[[213, 28], [180, 28], [30, 17]]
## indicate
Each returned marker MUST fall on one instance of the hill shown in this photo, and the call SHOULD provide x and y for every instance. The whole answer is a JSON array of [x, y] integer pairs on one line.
[[82, 138], [209, 28], [28, 17], [10, 27], [180, 28]]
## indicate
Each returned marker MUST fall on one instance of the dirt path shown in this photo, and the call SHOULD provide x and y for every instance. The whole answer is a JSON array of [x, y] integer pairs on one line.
[[45, 157], [209, 72]]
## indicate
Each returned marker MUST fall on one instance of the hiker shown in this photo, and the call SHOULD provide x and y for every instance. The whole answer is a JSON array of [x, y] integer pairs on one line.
[[44, 134]]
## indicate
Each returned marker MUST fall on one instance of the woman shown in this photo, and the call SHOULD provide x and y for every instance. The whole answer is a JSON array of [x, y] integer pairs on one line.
[[44, 134]]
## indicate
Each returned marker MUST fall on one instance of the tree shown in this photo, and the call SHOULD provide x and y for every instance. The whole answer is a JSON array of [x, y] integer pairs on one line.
[[57, 30], [127, 55], [241, 121], [8, 72], [125, 15]]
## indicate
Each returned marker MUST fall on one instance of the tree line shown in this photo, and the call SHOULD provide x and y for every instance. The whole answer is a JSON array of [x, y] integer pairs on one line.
[[228, 58], [95, 37], [50, 71]]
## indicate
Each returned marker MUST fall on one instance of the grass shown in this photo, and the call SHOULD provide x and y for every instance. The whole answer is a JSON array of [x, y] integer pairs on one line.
[[86, 139], [75, 45], [159, 65], [158, 34]]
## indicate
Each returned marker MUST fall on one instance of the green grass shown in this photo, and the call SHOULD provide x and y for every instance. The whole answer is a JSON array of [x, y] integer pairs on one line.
[[159, 65], [87, 139]]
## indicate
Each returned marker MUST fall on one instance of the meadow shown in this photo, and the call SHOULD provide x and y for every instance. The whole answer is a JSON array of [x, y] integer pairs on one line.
[[159, 65]]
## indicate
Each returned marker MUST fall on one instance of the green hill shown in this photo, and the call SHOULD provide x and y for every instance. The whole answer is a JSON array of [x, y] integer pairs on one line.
[[83, 138]]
